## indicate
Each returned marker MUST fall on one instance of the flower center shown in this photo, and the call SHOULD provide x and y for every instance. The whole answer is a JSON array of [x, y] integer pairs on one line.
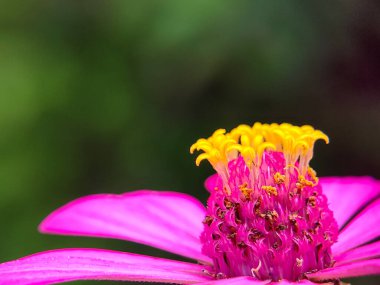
[[267, 216]]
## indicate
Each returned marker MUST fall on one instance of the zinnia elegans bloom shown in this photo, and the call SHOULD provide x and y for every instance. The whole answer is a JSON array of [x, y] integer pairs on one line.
[[269, 220]]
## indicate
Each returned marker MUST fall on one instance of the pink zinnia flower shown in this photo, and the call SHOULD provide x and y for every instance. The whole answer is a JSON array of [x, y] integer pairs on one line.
[[269, 220]]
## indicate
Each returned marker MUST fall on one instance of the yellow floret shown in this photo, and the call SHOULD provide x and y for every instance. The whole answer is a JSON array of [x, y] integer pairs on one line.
[[295, 142], [215, 148]]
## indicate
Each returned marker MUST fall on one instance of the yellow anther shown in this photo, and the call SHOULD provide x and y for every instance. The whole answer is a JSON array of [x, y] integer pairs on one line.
[[313, 175], [278, 178], [270, 190], [303, 182], [245, 190]]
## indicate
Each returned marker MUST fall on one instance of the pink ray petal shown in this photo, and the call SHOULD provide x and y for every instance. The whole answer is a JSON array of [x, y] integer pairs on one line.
[[363, 228], [167, 220], [355, 269], [347, 195], [247, 280], [301, 282], [94, 264], [368, 251], [211, 182], [242, 280]]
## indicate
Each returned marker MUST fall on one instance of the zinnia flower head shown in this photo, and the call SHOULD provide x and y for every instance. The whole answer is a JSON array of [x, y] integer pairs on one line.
[[267, 216], [269, 220]]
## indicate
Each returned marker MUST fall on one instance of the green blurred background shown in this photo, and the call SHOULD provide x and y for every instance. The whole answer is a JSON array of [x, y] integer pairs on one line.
[[107, 96]]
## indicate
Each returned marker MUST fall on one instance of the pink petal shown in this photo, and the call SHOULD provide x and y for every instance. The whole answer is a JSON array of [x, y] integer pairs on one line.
[[91, 264], [347, 195], [247, 280], [368, 251], [167, 220], [211, 182], [363, 228], [235, 281], [302, 282], [355, 269]]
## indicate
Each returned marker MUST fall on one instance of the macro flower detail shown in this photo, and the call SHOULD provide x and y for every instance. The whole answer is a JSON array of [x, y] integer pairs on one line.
[[269, 220]]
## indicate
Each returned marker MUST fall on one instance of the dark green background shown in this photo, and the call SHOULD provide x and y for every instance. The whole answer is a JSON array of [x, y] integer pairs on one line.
[[107, 96]]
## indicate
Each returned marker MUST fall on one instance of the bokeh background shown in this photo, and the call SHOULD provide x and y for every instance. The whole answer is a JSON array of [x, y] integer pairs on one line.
[[107, 96]]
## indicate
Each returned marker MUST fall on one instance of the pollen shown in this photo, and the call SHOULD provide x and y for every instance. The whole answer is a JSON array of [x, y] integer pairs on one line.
[[313, 175], [303, 182], [279, 178], [245, 190], [270, 190]]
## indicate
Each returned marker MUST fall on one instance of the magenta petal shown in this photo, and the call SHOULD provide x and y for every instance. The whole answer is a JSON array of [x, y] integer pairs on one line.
[[368, 251], [355, 269], [363, 228], [301, 282], [211, 182], [347, 195], [236, 281], [247, 280], [91, 264], [167, 220]]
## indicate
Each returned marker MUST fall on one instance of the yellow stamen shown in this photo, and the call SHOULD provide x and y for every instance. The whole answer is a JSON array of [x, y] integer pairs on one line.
[[279, 178], [245, 190], [303, 182], [214, 148], [270, 190], [296, 143], [313, 175]]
